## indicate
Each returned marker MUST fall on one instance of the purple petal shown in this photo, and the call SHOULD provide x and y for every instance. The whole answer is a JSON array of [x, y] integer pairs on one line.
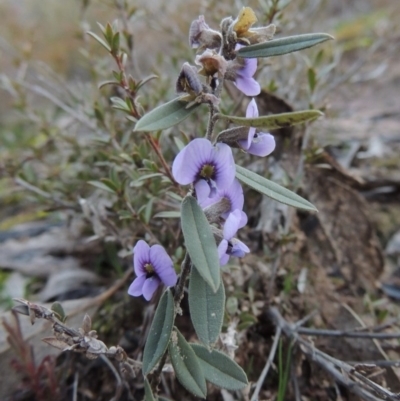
[[224, 166], [249, 68], [136, 288], [223, 256], [232, 224], [141, 256], [163, 265], [235, 196], [224, 259], [205, 201], [249, 86], [252, 110], [150, 286], [203, 190], [239, 249], [262, 145], [246, 143], [191, 159]]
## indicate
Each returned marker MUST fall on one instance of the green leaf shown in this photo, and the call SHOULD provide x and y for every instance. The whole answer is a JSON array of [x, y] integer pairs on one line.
[[275, 121], [200, 242], [57, 308], [312, 79], [206, 308], [272, 190], [187, 366], [277, 47], [160, 333], [100, 40], [148, 394], [168, 214], [102, 185], [166, 115], [219, 369]]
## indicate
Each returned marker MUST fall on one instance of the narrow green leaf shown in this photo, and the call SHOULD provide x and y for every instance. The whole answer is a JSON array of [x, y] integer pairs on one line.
[[148, 394], [165, 116], [101, 185], [200, 242], [186, 365], [100, 40], [160, 333], [219, 369], [275, 121], [206, 308], [115, 43], [57, 308], [277, 47], [272, 190], [312, 79], [168, 214]]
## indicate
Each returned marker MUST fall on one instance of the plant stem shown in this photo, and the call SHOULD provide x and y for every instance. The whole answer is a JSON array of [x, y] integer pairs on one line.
[[156, 149]]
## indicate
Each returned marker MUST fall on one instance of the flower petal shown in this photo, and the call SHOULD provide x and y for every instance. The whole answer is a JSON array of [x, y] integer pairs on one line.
[[136, 288], [248, 85], [232, 224], [150, 286], [239, 249], [224, 163], [235, 196], [141, 256], [223, 256], [190, 160], [203, 190], [252, 109], [262, 145]]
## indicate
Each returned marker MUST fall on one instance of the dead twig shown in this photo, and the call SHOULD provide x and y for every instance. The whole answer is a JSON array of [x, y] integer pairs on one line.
[[268, 364], [342, 333], [342, 372]]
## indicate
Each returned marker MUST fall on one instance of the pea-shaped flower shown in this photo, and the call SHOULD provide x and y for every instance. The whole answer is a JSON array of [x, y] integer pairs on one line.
[[152, 267], [261, 143], [241, 72], [209, 168], [230, 246]]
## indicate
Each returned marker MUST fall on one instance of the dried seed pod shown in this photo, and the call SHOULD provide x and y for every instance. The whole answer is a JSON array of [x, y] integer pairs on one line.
[[188, 81]]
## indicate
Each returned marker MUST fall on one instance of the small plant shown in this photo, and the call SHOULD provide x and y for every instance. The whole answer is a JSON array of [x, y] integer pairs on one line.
[[206, 179]]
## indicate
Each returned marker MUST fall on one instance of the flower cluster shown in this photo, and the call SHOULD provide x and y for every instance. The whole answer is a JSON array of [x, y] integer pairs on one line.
[[208, 165]]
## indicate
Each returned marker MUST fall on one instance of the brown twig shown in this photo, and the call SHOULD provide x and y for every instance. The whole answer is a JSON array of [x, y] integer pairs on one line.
[[342, 372], [268, 364], [350, 334]]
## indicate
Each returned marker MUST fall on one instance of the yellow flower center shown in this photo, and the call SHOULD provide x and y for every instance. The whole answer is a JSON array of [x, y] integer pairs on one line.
[[207, 171]]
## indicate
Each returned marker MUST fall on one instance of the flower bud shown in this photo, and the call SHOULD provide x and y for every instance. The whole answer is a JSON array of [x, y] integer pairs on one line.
[[231, 136], [202, 36], [188, 81]]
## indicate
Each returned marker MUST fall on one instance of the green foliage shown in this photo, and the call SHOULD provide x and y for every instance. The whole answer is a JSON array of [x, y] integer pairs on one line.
[[277, 47], [200, 242], [206, 308], [275, 121], [148, 394], [160, 333], [272, 190], [167, 115], [219, 369], [187, 366]]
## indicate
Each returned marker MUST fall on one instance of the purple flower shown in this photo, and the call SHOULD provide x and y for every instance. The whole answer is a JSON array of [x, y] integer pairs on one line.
[[226, 201], [259, 144], [208, 167], [230, 246], [244, 76], [152, 266]]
